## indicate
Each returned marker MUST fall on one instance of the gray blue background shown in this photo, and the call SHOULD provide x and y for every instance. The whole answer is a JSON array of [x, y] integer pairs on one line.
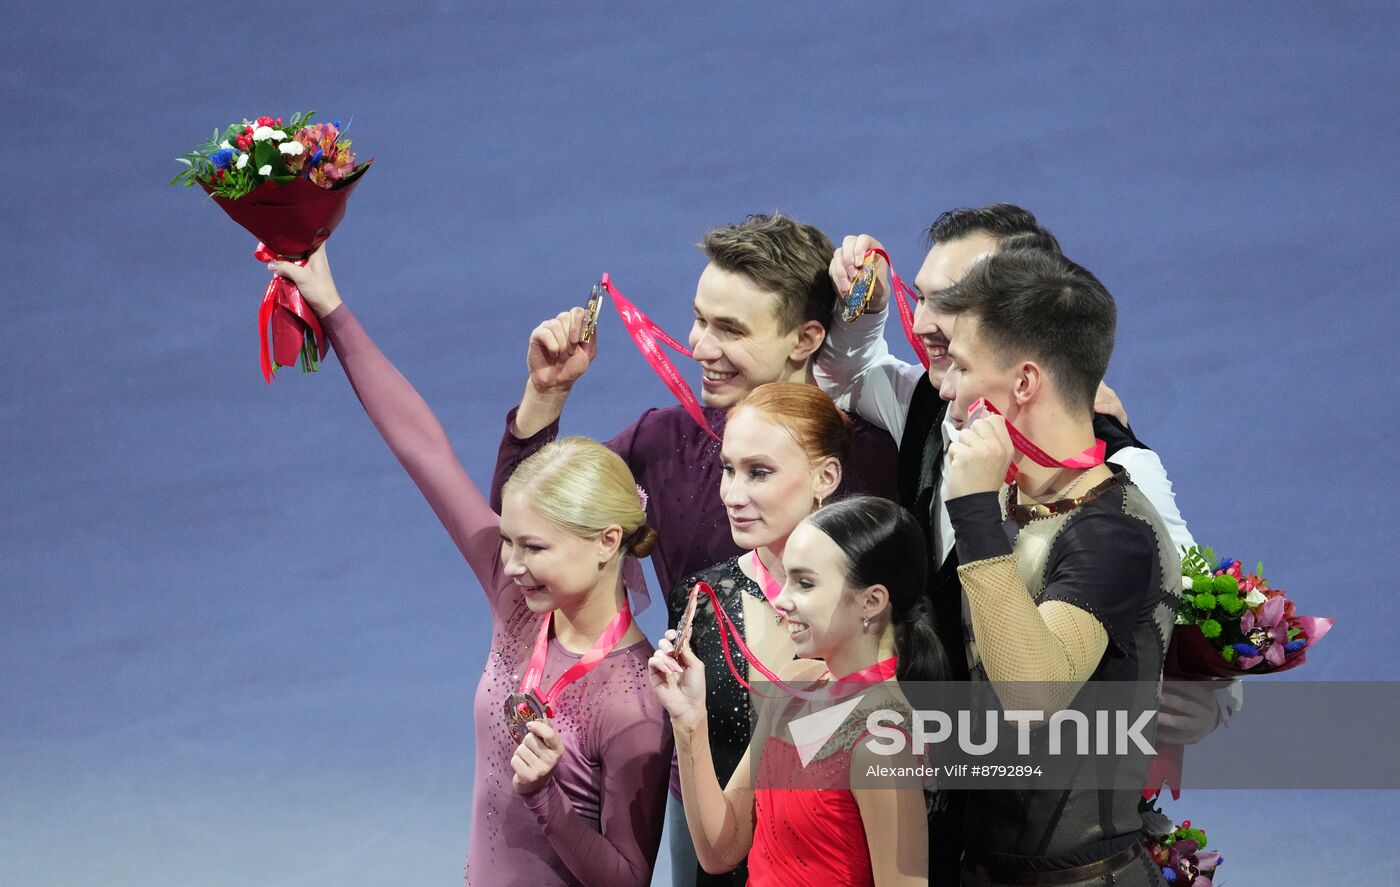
[[235, 646]]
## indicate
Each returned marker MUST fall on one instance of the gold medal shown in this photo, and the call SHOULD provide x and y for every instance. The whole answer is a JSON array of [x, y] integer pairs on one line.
[[855, 302], [521, 709], [595, 307]]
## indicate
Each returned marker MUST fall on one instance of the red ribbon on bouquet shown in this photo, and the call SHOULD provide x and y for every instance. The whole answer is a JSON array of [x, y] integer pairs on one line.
[[1026, 447], [644, 333], [284, 320], [880, 671], [904, 294]]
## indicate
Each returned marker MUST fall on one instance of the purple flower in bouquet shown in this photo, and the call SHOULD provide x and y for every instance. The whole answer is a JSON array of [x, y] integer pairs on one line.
[[1189, 867], [1265, 632]]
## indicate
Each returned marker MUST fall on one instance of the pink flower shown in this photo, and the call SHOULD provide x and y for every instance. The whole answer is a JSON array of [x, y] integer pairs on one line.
[[1266, 632]]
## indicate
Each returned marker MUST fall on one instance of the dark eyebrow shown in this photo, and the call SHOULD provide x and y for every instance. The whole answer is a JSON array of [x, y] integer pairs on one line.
[[802, 571], [728, 321]]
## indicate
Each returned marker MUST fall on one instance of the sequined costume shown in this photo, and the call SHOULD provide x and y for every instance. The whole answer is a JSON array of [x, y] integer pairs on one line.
[[808, 827], [726, 701], [1109, 557], [598, 820]]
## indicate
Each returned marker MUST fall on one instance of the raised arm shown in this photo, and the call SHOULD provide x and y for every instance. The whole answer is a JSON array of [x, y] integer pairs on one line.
[[556, 358], [405, 422], [855, 366], [720, 818]]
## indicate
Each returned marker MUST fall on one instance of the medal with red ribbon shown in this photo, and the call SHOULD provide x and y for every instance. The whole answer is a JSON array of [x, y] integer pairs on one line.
[[902, 295], [287, 327], [645, 333], [880, 671], [1090, 458], [528, 705]]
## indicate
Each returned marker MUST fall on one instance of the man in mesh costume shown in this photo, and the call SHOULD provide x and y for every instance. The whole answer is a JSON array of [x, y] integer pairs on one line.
[[1070, 575]]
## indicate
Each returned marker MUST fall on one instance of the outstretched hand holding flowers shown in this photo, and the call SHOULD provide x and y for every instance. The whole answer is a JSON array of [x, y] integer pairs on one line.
[[288, 185]]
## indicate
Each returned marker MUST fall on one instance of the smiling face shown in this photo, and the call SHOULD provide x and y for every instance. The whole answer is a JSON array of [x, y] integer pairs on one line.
[[768, 483], [946, 264], [738, 339], [823, 615], [551, 566]]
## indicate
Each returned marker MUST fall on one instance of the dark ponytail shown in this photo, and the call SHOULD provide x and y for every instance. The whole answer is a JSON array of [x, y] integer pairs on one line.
[[884, 546]]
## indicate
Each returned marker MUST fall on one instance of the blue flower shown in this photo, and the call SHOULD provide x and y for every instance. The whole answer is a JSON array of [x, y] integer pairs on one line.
[[1246, 649], [223, 158], [1169, 874], [1295, 645], [315, 158], [335, 123], [1225, 563]]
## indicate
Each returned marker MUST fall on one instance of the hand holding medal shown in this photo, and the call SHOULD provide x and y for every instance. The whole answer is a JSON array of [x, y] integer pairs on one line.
[[677, 675], [560, 352], [858, 273], [528, 706], [536, 757], [983, 457]]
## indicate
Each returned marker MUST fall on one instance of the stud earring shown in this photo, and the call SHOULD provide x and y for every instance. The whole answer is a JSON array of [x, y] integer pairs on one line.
[[865, 622]]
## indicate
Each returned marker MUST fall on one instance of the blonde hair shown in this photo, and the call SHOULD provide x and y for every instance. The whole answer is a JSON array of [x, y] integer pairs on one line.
[[585, 488]]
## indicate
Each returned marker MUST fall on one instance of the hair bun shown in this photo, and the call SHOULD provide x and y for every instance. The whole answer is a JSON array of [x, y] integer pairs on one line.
[[643, 541]]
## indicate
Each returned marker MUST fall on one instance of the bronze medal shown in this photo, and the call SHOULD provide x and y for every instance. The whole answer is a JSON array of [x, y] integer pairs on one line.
[[686, 626], [595, 307], [855, 302], [521, 709]]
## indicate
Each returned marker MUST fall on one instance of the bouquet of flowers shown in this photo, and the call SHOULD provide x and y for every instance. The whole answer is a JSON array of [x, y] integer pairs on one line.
[[288, 185], [1232, 623], [1178, 850]]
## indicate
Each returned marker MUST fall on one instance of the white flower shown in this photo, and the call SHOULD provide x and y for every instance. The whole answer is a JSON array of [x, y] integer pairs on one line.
[[242, 161], [262, 133], [291, 148], [225, 145], [278, 134], [1255, 598], [1186, 583], [265, 170]]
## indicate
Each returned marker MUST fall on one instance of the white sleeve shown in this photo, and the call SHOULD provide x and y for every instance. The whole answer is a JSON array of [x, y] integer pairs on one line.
[[856, 368], [1147, 473], [1230, 698]]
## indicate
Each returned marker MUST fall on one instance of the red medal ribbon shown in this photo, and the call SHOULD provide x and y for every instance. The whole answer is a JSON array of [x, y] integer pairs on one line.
[[601, 648], [1025, 446], [645, 332], [289, 325], [770, 587], [903, 292], [880, 671]]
